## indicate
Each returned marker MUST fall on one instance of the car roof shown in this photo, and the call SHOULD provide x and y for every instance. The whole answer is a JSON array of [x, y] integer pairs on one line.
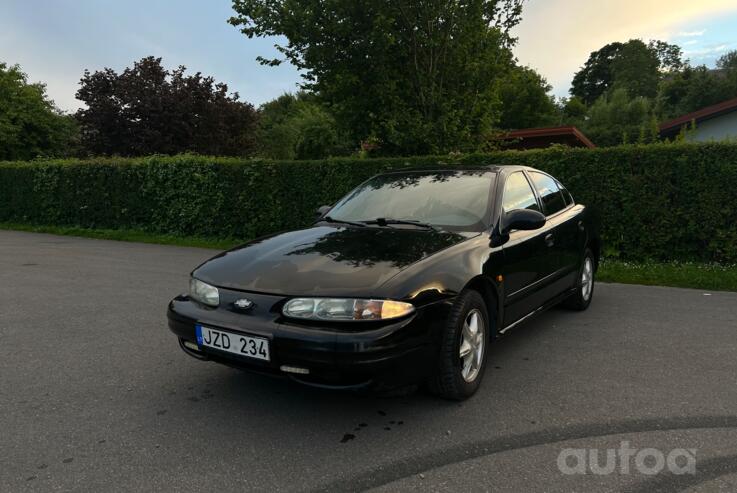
[[495, 168]]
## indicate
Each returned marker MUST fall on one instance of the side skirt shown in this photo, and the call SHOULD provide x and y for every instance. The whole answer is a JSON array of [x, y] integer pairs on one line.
[[549, 304]]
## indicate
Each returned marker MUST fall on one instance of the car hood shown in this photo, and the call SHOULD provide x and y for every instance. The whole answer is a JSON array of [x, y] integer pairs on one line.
[[324, 260]]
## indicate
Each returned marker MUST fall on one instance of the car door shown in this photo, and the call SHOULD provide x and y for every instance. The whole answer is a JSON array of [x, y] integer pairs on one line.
[[529, 259], [573, 238], [562, 220]]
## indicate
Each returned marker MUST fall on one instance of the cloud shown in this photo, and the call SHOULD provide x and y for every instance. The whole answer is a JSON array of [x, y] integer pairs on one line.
[[691, 34], [557, 36], [708, 50]]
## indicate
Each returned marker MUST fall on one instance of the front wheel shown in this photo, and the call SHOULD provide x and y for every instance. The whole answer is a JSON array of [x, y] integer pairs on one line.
[[581, 298], [465, 340]]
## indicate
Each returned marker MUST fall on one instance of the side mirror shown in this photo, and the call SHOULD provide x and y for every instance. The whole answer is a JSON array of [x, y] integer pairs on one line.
[[522, 219], [322, 210]]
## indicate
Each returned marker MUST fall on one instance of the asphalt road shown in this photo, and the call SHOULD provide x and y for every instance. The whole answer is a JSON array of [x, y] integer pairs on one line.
[[95, 395]]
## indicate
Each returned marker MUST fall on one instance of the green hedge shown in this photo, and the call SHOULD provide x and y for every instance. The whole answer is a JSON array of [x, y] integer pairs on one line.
[[661, 202]]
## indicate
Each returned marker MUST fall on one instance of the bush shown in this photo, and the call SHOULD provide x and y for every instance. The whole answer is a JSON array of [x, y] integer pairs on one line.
[[659, 202]]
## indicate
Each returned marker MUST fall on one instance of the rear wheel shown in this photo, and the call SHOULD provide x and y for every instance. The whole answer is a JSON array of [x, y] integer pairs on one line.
[[581, 298], [465, 340]]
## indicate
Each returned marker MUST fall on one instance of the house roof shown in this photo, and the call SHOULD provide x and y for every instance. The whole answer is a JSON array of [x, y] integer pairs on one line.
[[543, 137], [674, 126]]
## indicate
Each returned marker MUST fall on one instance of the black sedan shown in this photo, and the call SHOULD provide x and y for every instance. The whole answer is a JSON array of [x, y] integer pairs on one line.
[[405, 280]]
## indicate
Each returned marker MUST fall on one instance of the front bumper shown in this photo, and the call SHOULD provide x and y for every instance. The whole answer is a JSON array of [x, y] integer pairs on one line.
[[352, 354]]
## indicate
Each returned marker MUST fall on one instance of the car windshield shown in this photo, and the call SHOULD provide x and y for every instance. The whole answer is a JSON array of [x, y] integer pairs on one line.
[[454, 200]]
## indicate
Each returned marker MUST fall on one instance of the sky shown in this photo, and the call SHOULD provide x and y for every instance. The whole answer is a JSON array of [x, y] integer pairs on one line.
[[557, 36], [54, 41]]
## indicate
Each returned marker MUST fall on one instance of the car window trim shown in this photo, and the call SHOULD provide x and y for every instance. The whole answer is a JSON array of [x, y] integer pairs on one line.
[[539, 197], [563, 187], [529, 184], [501, 184]]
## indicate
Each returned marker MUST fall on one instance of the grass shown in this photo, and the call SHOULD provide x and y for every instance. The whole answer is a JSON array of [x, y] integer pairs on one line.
[[127, 235], [712, 277]]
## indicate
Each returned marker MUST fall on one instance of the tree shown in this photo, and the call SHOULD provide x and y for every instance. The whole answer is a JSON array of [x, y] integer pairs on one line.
[[595, 77], [696, 87], [633, 66], [670, 56], [298, 127], [416, 77], [147, 109], [276, 135], [728, 64], [30, 125], [728, 61], [317, 134], [574, 111], [525, 101], [636, 69], [616, 118]]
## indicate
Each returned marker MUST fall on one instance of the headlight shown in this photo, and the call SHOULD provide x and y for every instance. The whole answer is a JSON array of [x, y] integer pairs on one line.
[[203, 292], [340, 309]]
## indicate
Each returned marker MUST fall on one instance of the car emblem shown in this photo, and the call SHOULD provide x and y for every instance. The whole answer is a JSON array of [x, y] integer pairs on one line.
[[244, 304]]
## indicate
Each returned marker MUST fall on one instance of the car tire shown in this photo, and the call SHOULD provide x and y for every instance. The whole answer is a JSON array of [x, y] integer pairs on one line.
[[581, 298], [458, 377]]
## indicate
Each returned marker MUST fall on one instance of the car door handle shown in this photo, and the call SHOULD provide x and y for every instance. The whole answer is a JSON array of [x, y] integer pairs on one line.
[[550, 239]]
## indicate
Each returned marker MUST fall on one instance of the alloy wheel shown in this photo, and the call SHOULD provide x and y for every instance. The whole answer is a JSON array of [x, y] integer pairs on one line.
[[472, 344], [587, 278]]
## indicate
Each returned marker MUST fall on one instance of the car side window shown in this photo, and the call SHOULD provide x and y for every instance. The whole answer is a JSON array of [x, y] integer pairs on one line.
[[566, 194], [550, 194], [518, 194]]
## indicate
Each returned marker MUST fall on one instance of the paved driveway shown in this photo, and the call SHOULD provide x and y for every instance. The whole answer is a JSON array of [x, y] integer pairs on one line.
[[95, 394]]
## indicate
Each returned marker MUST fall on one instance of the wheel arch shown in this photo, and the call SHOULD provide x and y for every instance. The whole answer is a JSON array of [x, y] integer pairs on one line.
[[491, 296], [594, 244]]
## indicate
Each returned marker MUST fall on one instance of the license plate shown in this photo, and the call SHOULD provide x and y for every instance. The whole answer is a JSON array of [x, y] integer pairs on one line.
[[242, 345]]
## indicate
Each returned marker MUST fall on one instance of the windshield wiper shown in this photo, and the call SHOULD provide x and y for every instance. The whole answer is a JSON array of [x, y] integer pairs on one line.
[[384, 221], [329, 219]]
